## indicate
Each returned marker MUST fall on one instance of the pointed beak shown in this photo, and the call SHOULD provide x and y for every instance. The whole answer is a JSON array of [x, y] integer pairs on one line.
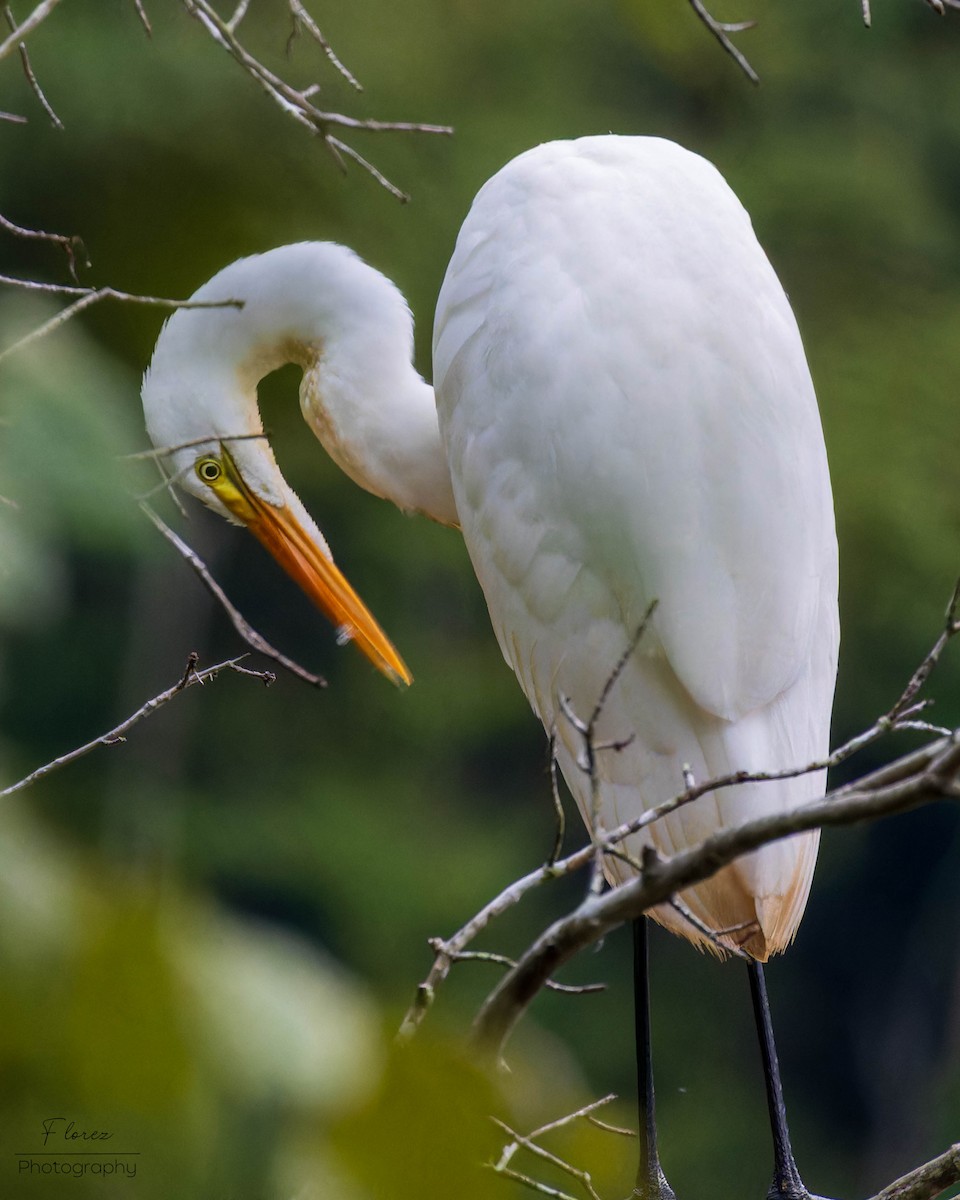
[[306, 562]]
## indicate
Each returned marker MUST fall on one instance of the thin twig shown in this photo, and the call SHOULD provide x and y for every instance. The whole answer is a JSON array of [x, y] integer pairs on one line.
[[608, 1128], [32, 82], [160, 452], [534, 1185], [302, 18], [87, 298], [144, 19], [720, 938], [561, 816], [721, 32], [40, 13], [920, 676], [71, 245], [501, 960], [340, 148], [253, 639], [118, 734]]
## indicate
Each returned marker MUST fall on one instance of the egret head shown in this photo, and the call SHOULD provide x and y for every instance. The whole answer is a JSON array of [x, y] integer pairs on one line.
[[200, 404]]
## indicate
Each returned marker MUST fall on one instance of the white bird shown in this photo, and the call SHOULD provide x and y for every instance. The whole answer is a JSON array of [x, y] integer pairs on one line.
[[625, 415]]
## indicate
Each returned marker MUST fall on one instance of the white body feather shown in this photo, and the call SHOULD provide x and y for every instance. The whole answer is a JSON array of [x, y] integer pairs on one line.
[[628, 415]]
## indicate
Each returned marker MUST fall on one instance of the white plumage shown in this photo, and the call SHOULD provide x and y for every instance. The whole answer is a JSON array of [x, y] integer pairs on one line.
[[627, 415]]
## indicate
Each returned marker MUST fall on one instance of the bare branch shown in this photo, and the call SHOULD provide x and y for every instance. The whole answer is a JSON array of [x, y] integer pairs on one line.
[[253, 639], [927, 1181], [903, 768], [661, 880], [40, 13], [721, 32], [118, 734]]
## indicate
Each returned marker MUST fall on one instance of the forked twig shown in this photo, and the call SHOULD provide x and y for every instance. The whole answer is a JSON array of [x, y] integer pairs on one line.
[[719, 938], [501, 960], [303, 20], [721, 30], [587, 759], [296, 103], [26, 26], [529, 1142], [70, 244], [118, 734]]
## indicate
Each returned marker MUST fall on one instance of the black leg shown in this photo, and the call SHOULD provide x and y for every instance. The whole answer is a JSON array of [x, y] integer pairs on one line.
[[787, 1184], [651, 1183]]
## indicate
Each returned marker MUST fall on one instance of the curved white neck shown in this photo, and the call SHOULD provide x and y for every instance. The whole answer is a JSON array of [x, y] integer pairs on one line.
[[349, 328]]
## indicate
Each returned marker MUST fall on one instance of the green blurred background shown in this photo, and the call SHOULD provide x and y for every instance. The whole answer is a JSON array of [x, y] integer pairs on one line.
[[208, 933]]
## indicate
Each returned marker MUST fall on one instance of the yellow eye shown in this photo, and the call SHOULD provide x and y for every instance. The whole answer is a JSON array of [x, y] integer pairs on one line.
[[209, 470]]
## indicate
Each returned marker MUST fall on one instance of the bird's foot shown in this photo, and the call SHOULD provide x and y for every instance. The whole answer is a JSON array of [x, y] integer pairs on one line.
[[793, 1194], [788, 1185], [655, 1188]]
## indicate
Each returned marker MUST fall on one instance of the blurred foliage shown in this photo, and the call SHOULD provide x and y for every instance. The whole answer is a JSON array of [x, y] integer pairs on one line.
[[174, 911]]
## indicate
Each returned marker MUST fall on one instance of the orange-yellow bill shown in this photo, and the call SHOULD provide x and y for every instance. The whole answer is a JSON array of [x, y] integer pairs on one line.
[[279, 530]]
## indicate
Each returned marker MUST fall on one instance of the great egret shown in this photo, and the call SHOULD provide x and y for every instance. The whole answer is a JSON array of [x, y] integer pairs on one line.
[[625, 414]]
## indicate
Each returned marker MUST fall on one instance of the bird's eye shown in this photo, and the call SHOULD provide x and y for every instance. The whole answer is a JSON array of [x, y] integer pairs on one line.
[[209, 470]]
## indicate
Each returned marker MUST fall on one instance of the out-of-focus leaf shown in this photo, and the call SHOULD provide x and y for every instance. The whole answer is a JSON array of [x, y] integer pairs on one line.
[[426, 1133], [277, 1020], [68, 414]]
